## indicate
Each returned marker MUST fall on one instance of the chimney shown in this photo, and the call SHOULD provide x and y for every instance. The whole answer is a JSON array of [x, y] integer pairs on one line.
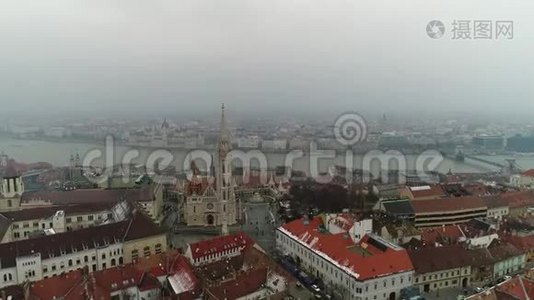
[[306, 219]]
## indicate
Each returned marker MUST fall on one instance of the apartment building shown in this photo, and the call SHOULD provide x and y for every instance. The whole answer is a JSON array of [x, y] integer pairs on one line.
[[95, 248], [23, 224], [369, 269]]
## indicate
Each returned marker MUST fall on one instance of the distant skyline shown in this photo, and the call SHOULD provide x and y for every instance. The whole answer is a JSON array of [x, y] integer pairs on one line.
[[303, 58]]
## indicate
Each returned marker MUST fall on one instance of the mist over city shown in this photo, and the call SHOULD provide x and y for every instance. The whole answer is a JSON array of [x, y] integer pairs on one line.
[[245, 149]]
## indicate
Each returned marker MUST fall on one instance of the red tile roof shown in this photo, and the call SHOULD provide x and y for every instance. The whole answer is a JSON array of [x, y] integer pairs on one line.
[[68, 286], [524, 243], [364, 260], [220, 244], [182, 279], [518, 199], [450, 233], [427, 191], [528, 173], [519, 287], [448, 204], [244, 284], [476, 189], [432, 259], [97, 285]]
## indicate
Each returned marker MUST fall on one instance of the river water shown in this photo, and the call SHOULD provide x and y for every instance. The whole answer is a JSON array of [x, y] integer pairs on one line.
[[58, 154]]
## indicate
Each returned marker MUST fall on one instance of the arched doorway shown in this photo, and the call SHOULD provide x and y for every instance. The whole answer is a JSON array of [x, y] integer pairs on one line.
[[392, 296], [210, 219], [464, 282]]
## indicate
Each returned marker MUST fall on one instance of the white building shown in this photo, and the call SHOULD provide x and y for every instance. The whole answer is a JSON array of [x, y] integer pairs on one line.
[[372, 268], [23, 224], [96, 248], [249, 142], [276, 144], [524, 180]]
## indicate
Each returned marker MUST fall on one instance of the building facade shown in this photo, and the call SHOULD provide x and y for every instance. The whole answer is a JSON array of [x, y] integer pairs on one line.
[[370, 269], [11, 187], [94, 248]]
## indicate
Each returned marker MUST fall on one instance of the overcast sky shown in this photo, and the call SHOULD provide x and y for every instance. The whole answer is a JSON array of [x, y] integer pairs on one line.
[[318, 55]]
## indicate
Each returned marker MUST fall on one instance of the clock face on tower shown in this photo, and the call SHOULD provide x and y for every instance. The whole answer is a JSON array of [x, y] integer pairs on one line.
[[210, 206]]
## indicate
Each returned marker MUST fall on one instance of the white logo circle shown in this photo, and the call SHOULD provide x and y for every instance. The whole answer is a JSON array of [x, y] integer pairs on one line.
[[350, 129]]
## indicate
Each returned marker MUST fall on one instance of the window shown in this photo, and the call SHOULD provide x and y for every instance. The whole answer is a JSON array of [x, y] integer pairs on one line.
[[35, 224], [85, 258], [103, 255], [135, 254], [90, 218], [53, 267], [146, 251], [157, 248], [113, 262], [70, 262], [16, 235], [25, 225], [68, 220], [104, 266], [15, 226], [79, 219], [9, 204]]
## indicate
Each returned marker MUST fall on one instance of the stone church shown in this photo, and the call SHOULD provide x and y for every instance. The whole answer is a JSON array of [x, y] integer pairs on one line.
[[211, 202]]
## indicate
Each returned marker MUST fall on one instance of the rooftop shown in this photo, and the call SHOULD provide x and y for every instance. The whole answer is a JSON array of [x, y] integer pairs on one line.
[[371, 257], [49, 211], [84, 196], [448, 205], [137, 226], [220, 244]]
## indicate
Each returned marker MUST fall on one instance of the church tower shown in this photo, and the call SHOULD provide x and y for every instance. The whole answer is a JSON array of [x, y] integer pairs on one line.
[[11, 187], [225, 189]]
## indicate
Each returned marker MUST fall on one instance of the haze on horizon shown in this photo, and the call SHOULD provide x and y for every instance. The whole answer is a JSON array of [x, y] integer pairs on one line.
[[261, 57]]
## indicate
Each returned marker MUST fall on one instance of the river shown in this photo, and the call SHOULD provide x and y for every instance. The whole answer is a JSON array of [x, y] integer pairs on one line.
[[58, 154]]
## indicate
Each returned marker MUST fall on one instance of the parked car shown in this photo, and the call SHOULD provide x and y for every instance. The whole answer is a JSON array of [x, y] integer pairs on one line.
[[315, 288]]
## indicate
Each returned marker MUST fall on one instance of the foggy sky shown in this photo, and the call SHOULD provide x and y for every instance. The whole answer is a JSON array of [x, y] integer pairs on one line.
[[188, 56]]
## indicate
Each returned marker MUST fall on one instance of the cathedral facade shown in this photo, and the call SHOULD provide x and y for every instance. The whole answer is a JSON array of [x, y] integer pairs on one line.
[[211, 202]]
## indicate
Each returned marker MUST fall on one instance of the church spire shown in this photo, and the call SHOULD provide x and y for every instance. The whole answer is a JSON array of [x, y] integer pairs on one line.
[[224, 186], [224, 144]]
